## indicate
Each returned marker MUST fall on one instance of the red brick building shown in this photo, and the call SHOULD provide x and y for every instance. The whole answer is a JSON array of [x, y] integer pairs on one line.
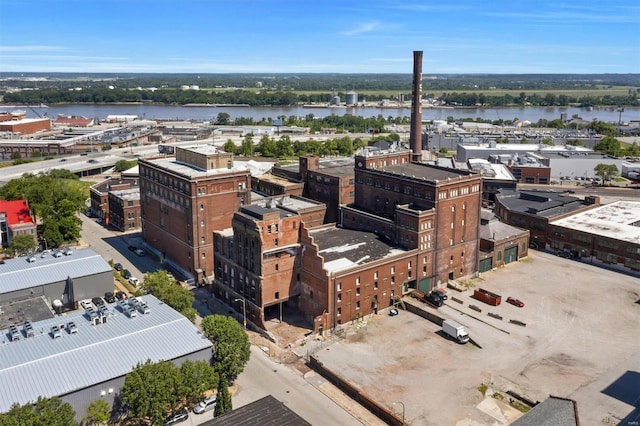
[[99, 194], [259, 260], [25, 126], [185, 199], [124, 209], [500, 243]]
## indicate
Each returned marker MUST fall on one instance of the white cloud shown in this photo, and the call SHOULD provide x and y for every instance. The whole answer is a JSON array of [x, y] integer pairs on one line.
[[35, 48], [365, 27]]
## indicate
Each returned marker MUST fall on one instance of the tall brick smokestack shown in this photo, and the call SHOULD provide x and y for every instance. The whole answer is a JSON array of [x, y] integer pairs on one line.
[[415, 137]]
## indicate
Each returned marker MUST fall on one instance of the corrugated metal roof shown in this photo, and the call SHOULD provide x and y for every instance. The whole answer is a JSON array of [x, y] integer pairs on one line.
[[44, 366], [18, 273]]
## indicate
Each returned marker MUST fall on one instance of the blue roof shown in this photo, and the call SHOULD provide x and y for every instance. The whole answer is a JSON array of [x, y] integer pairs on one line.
[[44, 366], [19, 274]]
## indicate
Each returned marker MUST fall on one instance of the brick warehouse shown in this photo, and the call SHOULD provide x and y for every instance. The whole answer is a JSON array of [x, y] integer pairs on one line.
[[435, 210], [184, 199], [411, 226], [260, 259]]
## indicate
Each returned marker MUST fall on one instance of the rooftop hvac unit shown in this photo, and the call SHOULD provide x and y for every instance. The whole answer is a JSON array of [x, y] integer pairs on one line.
[[15, 333], [28, 329]]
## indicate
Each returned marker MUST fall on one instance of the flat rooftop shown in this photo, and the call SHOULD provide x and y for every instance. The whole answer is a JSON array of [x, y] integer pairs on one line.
[[542, 203], [346, 248], [46, 366], [619, 220], [254, 167], [424, 171]]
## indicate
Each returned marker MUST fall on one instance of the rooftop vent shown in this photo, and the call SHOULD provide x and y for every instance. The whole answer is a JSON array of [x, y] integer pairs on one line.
[[72, 327], [15, 333], [28, 329], [55, 332]]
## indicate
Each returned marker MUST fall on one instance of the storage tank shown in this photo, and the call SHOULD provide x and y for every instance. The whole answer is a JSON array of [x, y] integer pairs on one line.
[[335, 100], [352, 98]]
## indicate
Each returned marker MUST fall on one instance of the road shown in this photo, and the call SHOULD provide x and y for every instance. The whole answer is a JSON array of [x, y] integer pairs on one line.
[[262, 377]]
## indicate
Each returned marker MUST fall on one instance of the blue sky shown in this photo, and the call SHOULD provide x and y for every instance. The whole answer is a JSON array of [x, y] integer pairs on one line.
[[319, 36]]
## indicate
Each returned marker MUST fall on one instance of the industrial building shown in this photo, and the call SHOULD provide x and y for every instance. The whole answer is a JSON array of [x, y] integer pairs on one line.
[[124, 209], [99, 194], [84, 356], [260, 258], [500, 244], [61, 278], [609, 233], [186, 198], [534, 210]]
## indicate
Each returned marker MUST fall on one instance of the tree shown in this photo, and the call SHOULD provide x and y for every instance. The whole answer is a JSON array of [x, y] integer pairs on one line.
[[164, 288], [151, 390], [547, 141], [223, 401], [230, 147], [22, 244], [45, 412], [609, 145], [222, 119], [246, 148], [98, 412], [606, 171], [197, 378], [122, 165], [231, 349]]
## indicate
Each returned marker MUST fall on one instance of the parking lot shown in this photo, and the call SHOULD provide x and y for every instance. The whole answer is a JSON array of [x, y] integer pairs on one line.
[[580, 341]]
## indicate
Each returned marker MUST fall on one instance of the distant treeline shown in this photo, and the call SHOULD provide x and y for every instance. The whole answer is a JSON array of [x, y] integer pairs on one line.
[[327, 82], [286, 98]]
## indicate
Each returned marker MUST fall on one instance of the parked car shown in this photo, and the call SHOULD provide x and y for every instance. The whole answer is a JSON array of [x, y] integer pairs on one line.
[[177, 417], [515, 302], [207, 404], [441, 294], [109, 297], [120, 295], [139, 252], [126, 274], [118, 266], [393, 312], [563, 253], [132, 248], [134, 281], [433, 299]]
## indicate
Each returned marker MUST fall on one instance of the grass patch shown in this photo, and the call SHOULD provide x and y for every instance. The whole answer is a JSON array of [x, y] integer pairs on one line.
[[483, 389], [519, 406], [498, 396]]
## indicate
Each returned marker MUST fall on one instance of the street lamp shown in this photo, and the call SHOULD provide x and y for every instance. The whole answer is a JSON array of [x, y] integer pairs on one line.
[[244, 311], [401, 403]]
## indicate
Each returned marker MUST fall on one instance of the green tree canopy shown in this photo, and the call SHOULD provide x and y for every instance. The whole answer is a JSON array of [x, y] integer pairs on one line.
[[231, 349], [151, 390], [606, 171], [197, 378], [223, 400], [22, 244], [122, 165], [166, 289], [55, 197], [45, 412], [609, 145], [98, 412], [230, 147]]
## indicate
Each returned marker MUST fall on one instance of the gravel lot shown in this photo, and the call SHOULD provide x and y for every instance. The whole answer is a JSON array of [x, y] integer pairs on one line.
[[581, 337]]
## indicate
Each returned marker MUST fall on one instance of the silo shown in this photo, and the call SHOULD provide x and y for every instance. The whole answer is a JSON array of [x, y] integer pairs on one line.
[[352, 98], [335, 100]]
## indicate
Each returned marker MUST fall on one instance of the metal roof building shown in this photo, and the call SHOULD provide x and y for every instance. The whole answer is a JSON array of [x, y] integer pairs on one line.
[[69, 278], [86, 362]]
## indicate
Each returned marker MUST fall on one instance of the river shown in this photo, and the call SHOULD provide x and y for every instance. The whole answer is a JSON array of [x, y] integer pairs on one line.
[[173, 112]]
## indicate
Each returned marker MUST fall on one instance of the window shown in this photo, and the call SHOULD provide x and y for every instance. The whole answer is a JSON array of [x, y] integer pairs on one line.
[[277, 295], [358, 291], [277, 267], [375, 285], [339, 311], [375, 275], [357, 280], [339, 297], [202, 222], [358, 304], [393, 269], [339, 287]]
